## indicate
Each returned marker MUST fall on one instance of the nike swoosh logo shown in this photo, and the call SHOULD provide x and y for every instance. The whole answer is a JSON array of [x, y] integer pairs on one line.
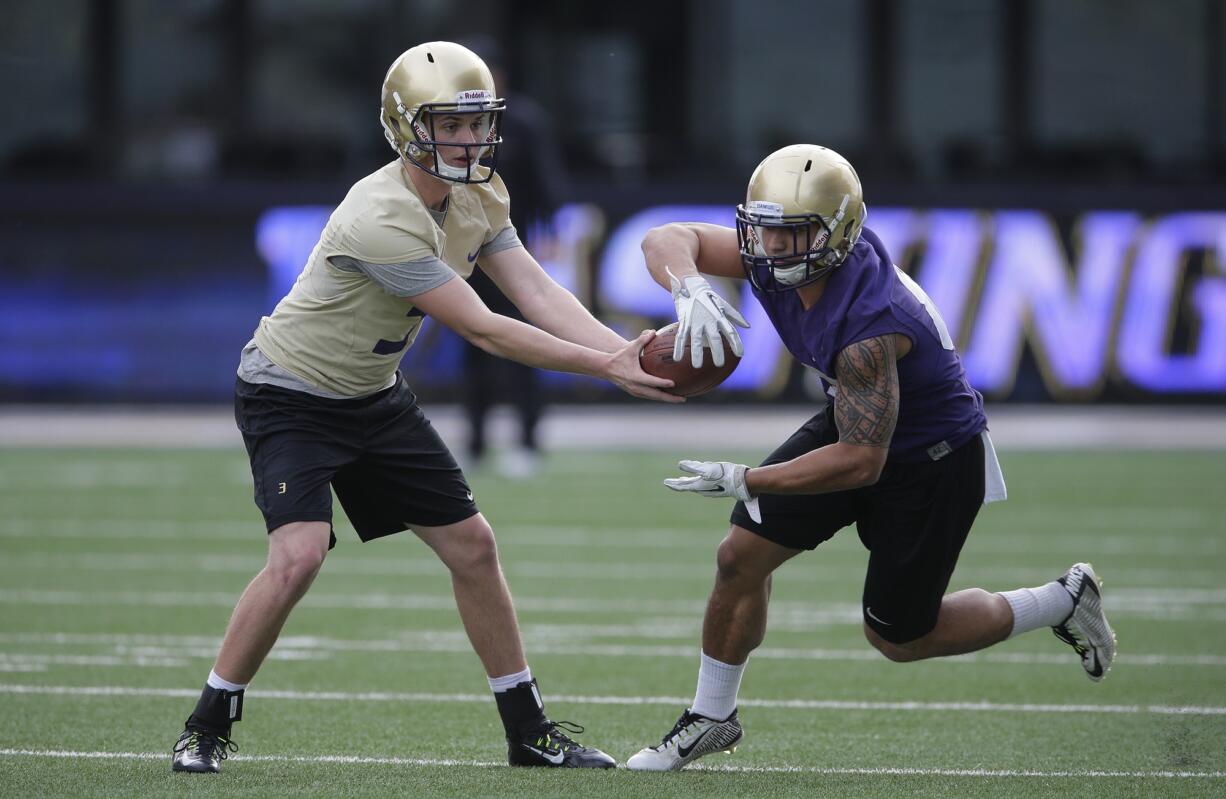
[[470, 496], [684, 751], [553, 757], [873, 616], [473, 257]]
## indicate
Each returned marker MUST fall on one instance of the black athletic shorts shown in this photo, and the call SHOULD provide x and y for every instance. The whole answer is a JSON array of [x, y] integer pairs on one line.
[[914, 521], [380, 453]]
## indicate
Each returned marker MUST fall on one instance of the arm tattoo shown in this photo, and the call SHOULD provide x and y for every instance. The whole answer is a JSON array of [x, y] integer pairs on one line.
[[866, 406]]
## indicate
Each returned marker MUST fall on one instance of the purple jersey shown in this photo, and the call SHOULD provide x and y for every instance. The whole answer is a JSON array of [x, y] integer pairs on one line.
[[868, 296]]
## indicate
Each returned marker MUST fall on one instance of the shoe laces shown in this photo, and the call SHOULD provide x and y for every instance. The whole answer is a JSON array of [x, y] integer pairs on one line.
[[205, 744], [687, 719], [1066, 635], [552, 735]]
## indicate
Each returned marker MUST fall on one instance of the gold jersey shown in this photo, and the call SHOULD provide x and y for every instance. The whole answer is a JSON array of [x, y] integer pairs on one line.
[[341, 331]]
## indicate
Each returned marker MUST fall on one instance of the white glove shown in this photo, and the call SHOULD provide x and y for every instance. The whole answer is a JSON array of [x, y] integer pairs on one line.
[[703, 314], [716, 479]]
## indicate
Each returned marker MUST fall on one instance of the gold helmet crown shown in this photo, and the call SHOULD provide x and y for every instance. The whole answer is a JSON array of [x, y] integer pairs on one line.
[[811, 192], [433, 79]]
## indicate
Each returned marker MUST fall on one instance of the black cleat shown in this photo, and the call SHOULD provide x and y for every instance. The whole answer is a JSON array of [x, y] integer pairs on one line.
[[547, 745], [201, 751]]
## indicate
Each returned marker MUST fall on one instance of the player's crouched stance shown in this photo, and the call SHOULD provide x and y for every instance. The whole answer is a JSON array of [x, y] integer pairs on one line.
[[323, 407], [901, 449]]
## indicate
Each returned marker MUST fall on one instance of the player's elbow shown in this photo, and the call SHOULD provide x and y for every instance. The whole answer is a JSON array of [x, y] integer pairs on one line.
[[661, 236], [656, 234], [866, 465], [482, 331]]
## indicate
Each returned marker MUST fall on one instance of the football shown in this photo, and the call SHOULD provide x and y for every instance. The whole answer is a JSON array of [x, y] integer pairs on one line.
[[657, 359]]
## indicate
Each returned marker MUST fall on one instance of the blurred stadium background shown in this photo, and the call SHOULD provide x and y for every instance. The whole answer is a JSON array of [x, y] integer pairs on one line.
[[1053, 172]]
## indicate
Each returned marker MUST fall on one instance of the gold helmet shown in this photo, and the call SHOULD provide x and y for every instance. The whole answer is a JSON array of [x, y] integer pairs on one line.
[[428, 82], [806, 195]]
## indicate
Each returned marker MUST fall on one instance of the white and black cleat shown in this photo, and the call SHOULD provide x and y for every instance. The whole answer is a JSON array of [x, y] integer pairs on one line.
[[1086, 628], [549, 746], [201, 751], [690, 738]]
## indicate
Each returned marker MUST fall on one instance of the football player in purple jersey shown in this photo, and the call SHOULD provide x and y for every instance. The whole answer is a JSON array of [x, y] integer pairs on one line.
[[901, 449]]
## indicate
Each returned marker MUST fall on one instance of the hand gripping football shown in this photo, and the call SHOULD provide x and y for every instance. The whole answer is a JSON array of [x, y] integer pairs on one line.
[[657, 359]]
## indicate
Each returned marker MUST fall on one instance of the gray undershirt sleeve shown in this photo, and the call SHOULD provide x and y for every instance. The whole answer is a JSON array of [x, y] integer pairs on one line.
[[504, 239], [401, 280]]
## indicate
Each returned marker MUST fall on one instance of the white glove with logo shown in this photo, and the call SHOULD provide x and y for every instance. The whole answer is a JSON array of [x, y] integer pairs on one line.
[[704, 315], [716, 479]]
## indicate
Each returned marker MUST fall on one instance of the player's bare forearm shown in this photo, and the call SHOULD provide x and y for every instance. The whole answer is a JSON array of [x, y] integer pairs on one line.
[[560, 313], [510, 338], [865, 412], [546, 304], [835, 467], [673, 247], [687, 248], [457, 306]]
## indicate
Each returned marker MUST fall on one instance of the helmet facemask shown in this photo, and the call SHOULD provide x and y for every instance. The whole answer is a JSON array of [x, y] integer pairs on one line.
[[421, 147], [810, 256]]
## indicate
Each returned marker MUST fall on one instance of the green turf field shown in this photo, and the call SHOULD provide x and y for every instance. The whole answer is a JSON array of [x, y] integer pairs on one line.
[[119, 569]]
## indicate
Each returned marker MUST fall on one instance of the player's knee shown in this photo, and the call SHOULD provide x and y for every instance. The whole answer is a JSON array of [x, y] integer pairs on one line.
[[907, 652], [738, 564], [732, 565], [295, 555], [473, 549]]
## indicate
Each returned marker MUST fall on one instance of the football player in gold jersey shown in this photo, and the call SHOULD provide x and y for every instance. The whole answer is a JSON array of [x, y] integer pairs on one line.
[[322, 405]]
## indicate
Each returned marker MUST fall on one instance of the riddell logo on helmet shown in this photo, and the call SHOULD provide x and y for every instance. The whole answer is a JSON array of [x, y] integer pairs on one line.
[[473, 96]]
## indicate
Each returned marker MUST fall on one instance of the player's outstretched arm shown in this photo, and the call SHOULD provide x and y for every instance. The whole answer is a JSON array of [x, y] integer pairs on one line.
[[865, 411], [546, 304], [457, 306], [690, 248], [704, 319]]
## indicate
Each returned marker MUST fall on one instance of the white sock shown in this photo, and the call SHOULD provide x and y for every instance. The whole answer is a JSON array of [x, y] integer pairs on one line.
[[1033, 608], [500, 684], [718, 684], [217, 682]]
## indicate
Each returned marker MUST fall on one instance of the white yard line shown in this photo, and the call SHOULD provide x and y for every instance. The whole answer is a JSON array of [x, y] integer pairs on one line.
[[827, 770], [670, 701]]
